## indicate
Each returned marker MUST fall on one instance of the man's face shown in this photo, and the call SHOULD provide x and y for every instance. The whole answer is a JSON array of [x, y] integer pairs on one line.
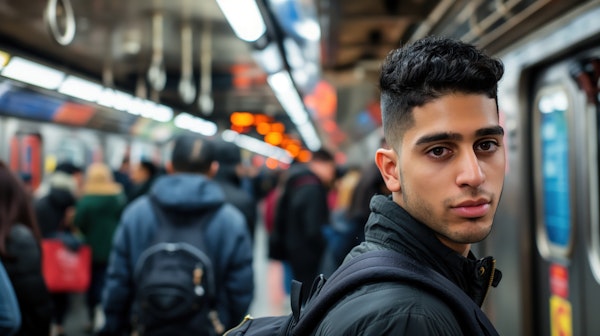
[[138, 174], [325, 170], [449, 171]]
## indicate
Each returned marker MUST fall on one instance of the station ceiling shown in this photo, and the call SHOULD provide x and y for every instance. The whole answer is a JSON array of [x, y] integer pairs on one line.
[[115, 44]]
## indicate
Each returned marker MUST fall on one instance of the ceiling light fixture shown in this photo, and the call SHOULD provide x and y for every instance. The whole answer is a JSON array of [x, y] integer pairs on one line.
[[257, 146], [244, 17], [289, 98], [33, 73], [80, 88], [195, 124]]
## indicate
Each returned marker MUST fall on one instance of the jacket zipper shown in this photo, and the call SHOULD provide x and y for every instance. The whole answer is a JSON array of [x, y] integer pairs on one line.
[[244, 321], [491, 280]]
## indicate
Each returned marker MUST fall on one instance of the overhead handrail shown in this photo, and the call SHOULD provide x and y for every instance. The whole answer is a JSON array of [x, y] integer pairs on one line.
[[62, 32]]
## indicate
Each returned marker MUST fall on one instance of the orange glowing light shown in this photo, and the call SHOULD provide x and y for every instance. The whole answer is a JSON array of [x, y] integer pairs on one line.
[[304, 155], [293, 149], [263, 128], [239, 129], [278, 127], [261, 118], [243, 119], [273, 138]]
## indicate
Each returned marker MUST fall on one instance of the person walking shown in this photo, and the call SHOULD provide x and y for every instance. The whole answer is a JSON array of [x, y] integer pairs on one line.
[[302, 214], [445, 169], [142, 177], [188, 191], [54, 212], [228, 177], [97, 215]]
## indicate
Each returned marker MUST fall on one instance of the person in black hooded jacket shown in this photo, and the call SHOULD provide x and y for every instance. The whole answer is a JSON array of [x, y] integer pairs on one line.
[[444, 164]]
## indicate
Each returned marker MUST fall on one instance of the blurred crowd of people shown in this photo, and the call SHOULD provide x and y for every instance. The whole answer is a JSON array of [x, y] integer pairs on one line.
[[319, 208]]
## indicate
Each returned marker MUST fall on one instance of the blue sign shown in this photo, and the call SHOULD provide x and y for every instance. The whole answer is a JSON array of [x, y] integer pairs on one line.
[[555, 172]]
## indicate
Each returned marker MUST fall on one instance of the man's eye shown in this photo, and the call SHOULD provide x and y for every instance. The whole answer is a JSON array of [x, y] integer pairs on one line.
[[488, 146], [438, 151]]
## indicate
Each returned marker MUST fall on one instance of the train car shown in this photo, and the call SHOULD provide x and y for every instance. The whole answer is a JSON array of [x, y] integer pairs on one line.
[[34, 148], [547, 229]]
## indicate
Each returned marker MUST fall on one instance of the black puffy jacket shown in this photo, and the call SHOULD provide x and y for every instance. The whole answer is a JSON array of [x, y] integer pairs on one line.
[[400, 309]]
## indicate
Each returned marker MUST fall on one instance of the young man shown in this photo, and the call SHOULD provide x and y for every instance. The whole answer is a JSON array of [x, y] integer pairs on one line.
[[445, 168], [187, 191]]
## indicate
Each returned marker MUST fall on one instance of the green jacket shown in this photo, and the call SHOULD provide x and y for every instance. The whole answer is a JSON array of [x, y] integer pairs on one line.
[[97, 217]]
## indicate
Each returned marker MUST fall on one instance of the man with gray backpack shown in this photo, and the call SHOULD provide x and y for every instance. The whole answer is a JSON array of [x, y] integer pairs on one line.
[[181, 262]]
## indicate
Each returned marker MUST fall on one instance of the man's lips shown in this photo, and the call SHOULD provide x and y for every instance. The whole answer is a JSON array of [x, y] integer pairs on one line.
[[472, 208]]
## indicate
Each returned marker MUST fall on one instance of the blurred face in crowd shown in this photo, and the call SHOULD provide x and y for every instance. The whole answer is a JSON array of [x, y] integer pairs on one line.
[[448, 169], [325, 170], [139, 174]]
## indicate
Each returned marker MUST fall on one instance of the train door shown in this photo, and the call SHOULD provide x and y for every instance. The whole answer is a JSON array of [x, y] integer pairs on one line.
[[25, 158], [565, 185]]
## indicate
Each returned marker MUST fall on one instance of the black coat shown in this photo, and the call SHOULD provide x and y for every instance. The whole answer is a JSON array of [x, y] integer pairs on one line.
[[24, 268], [402, 309], [50, 211], [237, 196], [302, 212]]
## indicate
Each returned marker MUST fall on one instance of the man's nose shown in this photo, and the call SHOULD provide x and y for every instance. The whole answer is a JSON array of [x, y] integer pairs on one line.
[[470, 172]]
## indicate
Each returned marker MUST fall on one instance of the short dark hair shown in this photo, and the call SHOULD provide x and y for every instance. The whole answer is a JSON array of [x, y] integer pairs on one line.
[[228, 153], [192, 154], [149, 166], [322, 155], [427, 69], [68, 168]]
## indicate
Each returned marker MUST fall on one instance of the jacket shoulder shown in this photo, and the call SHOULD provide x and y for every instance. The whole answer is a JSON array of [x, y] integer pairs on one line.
[[390, 309]]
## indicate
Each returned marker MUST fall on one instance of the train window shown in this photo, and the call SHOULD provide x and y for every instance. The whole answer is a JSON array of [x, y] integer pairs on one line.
[[555, 225]]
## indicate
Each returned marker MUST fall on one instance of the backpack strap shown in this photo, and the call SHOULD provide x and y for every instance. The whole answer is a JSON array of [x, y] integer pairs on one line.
[[390, 266]]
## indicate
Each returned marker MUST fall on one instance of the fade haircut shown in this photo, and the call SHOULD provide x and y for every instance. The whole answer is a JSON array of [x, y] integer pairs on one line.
[[429, 68]]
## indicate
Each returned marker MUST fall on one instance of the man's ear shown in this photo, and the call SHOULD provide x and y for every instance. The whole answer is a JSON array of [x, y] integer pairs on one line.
[[387, 162], [214, 168], [169, 167]]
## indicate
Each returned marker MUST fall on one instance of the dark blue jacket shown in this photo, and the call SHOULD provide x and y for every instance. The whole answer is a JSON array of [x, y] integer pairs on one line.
[[228, 242]]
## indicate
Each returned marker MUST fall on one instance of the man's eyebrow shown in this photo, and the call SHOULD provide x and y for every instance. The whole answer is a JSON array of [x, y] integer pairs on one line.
[[494, 130], [438, 137]]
